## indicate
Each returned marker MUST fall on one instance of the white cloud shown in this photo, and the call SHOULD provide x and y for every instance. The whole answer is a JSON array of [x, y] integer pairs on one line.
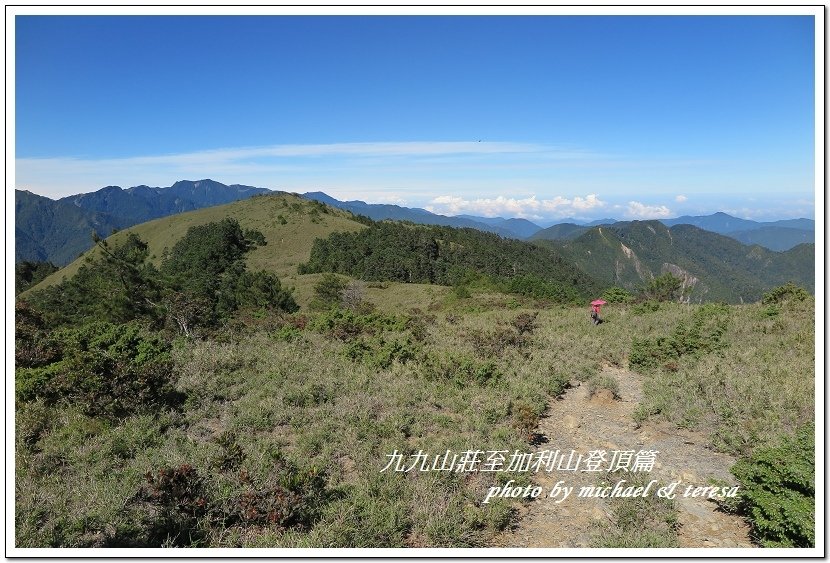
[[637, 210], [680, 198], [527, 208]]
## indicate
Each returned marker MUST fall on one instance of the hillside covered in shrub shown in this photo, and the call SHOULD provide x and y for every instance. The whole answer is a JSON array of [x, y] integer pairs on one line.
[[713, 267], [409, 253]]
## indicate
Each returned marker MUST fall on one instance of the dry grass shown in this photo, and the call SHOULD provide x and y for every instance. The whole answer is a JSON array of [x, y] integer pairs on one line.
[[304, 399]]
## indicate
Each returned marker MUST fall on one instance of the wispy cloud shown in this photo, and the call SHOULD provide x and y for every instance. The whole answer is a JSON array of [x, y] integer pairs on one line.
[[510, 179], [290, 166]]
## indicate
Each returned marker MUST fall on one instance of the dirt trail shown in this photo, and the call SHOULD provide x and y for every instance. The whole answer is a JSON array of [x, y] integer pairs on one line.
[[583, 423]]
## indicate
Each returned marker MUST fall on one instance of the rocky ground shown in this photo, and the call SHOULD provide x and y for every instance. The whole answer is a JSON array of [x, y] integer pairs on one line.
[[580, 422]]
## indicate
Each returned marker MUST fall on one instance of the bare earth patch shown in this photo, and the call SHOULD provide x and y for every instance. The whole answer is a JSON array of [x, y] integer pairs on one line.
[[583, 423]]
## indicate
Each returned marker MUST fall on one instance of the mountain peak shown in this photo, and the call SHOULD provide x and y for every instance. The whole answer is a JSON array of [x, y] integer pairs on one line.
[[73, 217]]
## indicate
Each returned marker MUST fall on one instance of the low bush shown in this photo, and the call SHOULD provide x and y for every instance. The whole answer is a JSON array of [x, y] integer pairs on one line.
[[703, 335], [178, 499], [525, 323], [649, 306], [108, 370], [786, 292], [178, 506], [288, 496], [640, 522], [539, 288], [380, 353], [307, 396], [526, 419], [347, 325], [778, 491], [494, 343], [328, 291], [460, 369], [617, 295], [603, 381]]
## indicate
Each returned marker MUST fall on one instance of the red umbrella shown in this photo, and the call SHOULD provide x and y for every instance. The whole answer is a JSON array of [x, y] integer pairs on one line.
[[598, 302]]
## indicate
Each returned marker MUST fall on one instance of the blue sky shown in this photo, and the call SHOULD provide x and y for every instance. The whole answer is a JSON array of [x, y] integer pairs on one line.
[[542, 117]]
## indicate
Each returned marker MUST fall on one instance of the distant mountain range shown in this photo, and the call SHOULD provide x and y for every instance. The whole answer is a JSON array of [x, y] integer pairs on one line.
[[773, 235], [58, 231], [510, 228], [714, 267]]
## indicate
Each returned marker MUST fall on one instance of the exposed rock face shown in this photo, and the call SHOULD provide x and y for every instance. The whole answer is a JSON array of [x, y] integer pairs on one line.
[[688, 281]]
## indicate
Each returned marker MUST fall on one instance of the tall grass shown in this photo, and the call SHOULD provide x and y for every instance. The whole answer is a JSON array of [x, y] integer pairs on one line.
[[755, 386], [287, 428]]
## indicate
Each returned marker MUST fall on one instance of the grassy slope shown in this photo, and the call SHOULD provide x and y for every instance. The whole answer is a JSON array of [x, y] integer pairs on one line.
[[300, 394], [288, 243]]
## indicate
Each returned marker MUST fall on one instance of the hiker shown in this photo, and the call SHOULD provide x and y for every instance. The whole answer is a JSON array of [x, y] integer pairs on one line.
[[595, 306]]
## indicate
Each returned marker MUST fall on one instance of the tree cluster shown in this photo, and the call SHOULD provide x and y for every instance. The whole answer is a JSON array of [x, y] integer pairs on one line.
[[94, 339], [29, 274], [202, 280], [410, 253]]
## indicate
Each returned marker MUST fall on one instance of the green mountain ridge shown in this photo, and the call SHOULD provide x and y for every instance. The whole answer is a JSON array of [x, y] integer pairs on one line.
[[713, 267], [59, 230], [289, 223], [297, 230], [775, 235]]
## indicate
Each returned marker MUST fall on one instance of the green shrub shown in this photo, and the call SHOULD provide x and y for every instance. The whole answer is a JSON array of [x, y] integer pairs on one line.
[[118, 284], [29, 274], [770, 311], [308, 395], [639, 522], [649, 306], [263, 290], [287, 333], [345, 325], [108, 370], [665, 287], [703, 335], [380, 353], [651, 353], [778, 491], [460, 369], [539, 288], [328, 291], [460, 291], [786, 292], [617, 295], [206, 278]]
